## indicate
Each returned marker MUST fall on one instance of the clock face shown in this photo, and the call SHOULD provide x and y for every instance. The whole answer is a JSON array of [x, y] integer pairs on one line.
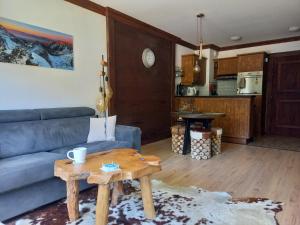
[[148, 58]]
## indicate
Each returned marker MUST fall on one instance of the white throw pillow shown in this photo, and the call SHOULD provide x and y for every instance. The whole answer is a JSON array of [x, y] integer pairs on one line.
[[97, 129], [111, 128]]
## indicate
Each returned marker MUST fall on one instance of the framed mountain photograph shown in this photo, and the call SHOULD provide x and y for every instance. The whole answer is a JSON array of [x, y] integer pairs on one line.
[[26, 44]]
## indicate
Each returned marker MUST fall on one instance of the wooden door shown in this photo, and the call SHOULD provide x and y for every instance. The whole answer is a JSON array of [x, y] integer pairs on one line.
[[284, 95], [258, 125], [142, 96]]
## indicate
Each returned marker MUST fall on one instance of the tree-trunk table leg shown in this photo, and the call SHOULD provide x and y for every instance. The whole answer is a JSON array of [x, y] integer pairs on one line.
[[146, 189], [102, 204], [72, 199], [117, 191]]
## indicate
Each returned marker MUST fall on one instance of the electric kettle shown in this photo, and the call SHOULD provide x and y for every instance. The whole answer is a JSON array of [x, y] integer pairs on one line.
[[191, 91]]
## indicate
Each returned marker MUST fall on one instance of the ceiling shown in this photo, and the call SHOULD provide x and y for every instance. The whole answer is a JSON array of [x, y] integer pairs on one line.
[[253, 20]]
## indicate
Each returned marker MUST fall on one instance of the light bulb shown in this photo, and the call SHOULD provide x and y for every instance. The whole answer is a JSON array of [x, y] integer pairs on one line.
[[197, 68]]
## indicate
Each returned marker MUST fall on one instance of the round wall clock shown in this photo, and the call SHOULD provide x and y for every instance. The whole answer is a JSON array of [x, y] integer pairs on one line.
[[148, 57]]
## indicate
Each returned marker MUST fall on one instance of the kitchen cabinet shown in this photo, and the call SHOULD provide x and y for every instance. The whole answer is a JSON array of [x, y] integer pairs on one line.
[[215, 68], [227, 66], [189, 77], [251, 62], [238, 123]]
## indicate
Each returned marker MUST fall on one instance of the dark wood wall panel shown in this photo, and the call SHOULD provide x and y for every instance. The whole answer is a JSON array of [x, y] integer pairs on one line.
[[142, 97]]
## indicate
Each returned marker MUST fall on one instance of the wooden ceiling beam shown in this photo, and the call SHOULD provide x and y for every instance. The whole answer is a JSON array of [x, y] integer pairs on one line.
[[124, 18], [211, 46], [260, 43], [187, 44], [89, 5]]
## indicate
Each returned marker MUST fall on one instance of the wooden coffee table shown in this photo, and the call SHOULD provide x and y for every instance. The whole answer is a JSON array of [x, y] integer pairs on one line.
[[132, 166]]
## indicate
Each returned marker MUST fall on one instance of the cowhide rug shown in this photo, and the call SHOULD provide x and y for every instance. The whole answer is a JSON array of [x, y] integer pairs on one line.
[[174, 206]]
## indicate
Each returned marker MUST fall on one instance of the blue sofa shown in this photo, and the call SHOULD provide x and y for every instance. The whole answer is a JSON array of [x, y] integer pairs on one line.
[[30, 142]]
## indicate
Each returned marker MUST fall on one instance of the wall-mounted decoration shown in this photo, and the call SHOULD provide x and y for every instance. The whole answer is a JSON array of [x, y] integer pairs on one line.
[[148, 58], [25, 44]]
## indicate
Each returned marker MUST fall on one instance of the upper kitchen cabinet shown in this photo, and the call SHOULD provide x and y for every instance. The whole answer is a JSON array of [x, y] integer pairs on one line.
[[251, 62], [227, 66], [189, 77]]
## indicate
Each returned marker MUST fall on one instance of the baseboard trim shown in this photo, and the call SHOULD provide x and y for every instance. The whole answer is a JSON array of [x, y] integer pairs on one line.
[[235, 140]]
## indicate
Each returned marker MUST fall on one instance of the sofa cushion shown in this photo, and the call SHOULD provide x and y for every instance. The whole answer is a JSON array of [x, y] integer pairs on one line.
[[40, 136], [93, 147], [58, 113], [9, 116], [20, 171], [130, 134]]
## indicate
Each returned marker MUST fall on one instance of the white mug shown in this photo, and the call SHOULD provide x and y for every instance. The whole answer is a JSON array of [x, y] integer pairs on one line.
[[79, 155]]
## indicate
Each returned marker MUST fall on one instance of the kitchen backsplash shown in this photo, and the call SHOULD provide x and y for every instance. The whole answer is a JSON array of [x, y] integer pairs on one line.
[[226, 87]]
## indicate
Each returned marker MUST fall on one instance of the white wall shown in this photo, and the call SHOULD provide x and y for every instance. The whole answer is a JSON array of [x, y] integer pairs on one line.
[[179, 51], [274, 48], [24, 86], [210, 54]]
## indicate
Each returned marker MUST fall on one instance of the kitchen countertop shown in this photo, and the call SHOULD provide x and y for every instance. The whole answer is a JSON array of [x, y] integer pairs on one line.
[[198, 115], [217, 96]]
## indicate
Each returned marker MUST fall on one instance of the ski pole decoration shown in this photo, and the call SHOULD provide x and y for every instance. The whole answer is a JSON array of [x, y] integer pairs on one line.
[[105, 90]]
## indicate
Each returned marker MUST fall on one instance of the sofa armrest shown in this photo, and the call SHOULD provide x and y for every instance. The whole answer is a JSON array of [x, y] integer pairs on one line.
[[129, 134]]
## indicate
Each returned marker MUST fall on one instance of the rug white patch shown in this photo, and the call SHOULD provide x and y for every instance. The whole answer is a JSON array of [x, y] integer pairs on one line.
[[178, 206]]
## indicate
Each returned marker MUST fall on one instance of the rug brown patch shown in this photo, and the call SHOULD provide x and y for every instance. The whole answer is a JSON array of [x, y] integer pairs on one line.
[[173, 205]]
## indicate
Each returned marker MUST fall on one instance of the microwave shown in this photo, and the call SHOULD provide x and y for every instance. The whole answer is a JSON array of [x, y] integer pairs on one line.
[[250, 82]]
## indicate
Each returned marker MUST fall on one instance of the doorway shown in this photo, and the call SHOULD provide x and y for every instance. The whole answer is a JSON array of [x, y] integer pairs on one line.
[[283, 95]]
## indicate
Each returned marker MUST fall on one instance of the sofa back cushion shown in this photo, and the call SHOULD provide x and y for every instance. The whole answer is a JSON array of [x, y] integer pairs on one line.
[[9, 116], [38, 136], [57, 113]]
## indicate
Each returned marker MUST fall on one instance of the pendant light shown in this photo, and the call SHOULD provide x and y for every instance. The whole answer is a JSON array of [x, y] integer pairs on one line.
[[197, 67]]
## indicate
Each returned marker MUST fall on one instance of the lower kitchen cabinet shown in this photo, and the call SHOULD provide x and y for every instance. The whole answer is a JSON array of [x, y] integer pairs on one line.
[[238, 124]]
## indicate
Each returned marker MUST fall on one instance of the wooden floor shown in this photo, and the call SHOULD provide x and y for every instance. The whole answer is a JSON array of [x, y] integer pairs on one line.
[[244, 171]]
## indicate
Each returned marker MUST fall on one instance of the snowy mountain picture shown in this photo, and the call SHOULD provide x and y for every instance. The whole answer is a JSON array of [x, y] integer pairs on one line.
[[25, 44]]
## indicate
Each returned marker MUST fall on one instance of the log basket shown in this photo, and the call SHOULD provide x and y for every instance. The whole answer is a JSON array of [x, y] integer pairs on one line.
[[200, 144], [177, 138]]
